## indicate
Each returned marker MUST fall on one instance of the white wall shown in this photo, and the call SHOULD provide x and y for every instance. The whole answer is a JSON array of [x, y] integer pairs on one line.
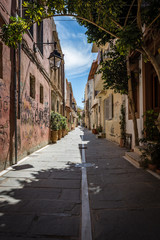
[[129, 123]]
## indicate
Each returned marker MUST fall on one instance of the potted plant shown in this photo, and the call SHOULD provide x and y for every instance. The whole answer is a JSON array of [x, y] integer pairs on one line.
[[64, 125], [151, 142], [99, 129], [94, 130], [151, 155], [59, 126], [54, 126]]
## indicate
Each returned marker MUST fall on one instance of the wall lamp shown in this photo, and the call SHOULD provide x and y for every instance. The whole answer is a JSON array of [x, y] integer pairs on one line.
[[55, 57]]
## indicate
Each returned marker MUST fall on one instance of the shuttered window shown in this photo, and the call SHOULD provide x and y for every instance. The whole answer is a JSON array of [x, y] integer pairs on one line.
[[41, 93], [32, 86], [108, 107]]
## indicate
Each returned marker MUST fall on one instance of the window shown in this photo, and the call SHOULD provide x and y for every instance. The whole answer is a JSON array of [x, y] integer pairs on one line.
[[57, 106], [32, 86], [59, 77], [70, 99], [53, 100], [40, 37], [1, 62], [108, 105], [41, 93]]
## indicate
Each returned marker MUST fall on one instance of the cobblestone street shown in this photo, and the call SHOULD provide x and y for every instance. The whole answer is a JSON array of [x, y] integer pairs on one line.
[[42, 196]]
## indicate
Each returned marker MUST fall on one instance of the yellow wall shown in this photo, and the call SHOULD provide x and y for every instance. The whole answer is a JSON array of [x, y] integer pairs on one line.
[[112, 127]]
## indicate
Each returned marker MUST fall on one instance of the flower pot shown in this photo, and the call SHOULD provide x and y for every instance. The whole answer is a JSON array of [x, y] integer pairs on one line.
[[152, 167], [121, 142], [158, 171], [94, 131], [59, 134], [54, 136]]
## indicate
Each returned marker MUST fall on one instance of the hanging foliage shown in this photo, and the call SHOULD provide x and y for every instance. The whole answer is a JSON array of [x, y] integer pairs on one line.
[[114, 72]]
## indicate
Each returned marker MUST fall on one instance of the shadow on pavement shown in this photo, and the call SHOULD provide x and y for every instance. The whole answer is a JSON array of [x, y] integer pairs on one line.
[[22, 167], [40, 205], [124, 200]]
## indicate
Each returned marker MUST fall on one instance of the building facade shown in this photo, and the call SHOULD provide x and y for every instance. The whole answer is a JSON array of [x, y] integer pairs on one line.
[[102, 106], [30, 87], [70, 107]]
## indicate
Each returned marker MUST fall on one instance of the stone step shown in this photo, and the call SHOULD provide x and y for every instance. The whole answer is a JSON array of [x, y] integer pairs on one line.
[[138, 150], [101, 135], [133, 157]]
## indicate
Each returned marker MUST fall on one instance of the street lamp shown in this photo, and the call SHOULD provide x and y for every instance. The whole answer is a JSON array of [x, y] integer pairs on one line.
[[55, 57]]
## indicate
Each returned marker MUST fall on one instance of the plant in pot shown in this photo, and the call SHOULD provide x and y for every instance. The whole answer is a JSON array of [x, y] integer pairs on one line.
[[151, 142], [99, 129], [150, 130], [94, 130], [54, 126], [64, 126], [155, 155], [59, 126], [151, 156]]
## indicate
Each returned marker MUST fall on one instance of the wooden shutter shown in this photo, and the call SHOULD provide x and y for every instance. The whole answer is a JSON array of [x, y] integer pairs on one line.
[[110, 106], [106, 108]]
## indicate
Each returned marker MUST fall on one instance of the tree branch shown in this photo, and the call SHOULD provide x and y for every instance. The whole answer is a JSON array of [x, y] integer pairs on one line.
[[139, 23], [87, 20], [116, 23], [128, 13], [152, 23]]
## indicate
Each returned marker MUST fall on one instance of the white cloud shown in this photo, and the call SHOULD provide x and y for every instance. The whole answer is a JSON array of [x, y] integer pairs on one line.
[[77, 52], [76, 57]]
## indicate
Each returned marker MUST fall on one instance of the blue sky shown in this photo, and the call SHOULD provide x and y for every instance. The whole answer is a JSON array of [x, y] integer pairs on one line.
[[78, 56]]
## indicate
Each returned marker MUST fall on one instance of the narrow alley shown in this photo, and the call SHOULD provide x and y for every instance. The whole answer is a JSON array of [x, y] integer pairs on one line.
[[44, 197]]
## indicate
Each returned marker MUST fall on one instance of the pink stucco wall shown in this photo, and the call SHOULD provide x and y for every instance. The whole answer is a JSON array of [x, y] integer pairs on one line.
[[33, 126]]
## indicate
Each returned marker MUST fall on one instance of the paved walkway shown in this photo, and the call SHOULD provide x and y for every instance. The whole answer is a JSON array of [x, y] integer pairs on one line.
[[41, 198], [124, 200]]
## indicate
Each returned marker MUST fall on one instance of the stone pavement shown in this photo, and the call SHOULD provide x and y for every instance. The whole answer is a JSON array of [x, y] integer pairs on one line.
[[41, 197], [124, 200]]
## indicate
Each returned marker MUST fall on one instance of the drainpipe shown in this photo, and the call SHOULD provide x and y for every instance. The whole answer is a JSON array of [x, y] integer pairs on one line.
[[15, 102], [63, 88], [19, 66]]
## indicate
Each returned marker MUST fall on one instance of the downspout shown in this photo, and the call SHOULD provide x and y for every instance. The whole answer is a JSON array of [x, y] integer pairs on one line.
[[19, 67], [15, 103], [63, 88], [15, 94]]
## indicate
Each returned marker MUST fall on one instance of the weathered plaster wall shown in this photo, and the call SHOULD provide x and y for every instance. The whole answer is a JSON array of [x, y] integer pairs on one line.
[[6, 107], [34, 122], [111, 127], [6, 92], [33, 125]]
